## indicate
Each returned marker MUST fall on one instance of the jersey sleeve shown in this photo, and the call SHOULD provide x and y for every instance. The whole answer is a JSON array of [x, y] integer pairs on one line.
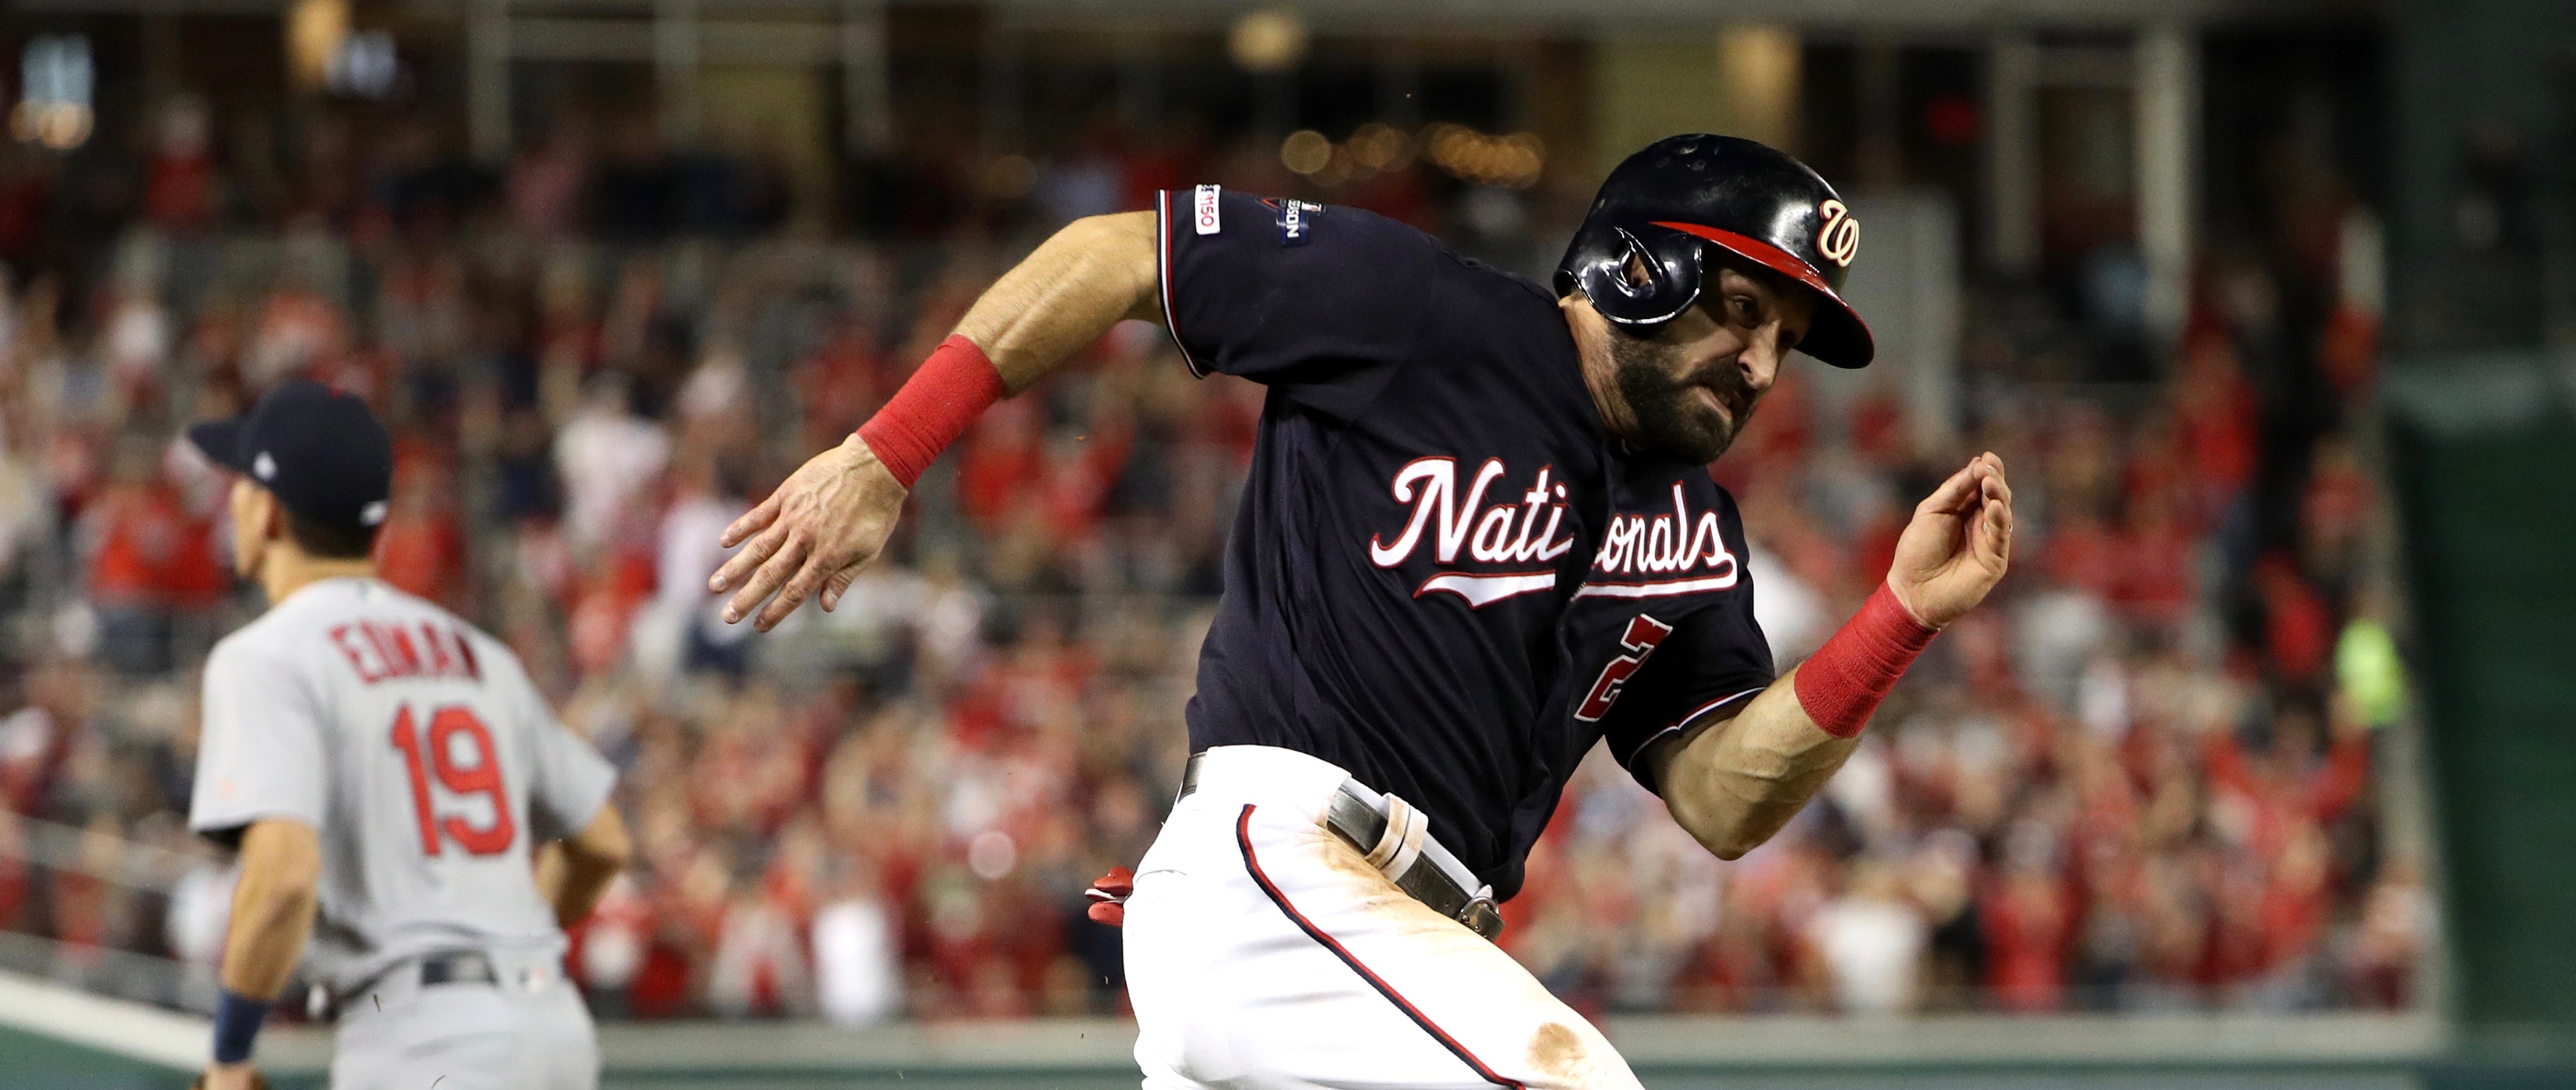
[[568, 780], [1318, 302], [260, 753], [1716, 656]]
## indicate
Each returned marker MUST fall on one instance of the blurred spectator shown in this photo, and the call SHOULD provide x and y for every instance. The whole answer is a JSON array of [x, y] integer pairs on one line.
[[607, 456], [842, 384], [149, 559], [179, 185], [200, 912], [421, 546], [684, 629], [857, 959], [2370, 681], [1792, 614], [1871, 940], [296, 332], [546, 182]]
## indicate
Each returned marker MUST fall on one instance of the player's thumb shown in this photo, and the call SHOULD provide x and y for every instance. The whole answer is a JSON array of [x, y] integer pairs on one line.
[[1952, 494]]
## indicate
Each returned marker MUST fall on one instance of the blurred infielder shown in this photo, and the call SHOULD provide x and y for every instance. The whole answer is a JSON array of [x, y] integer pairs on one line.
[[389, 769], [1478, 537]]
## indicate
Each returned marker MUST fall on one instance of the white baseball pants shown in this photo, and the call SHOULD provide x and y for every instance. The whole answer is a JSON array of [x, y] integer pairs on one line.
[[1264, 953], [529, 1032]]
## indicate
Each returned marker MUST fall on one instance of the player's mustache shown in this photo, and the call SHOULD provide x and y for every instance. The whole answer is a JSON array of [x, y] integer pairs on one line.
[[1725, 379]]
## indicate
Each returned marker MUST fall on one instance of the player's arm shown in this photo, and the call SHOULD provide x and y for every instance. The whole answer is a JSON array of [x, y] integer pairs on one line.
[[573, 872], [1087, 277], [834, 514], [1735, 778], [281, 864], [1740, 773]]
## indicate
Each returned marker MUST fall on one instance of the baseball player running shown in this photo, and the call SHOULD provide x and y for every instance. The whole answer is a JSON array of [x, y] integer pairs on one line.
[[389, 769], [1478, 536]]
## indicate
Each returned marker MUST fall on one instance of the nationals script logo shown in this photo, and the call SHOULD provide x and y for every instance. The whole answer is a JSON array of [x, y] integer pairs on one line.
[[1675, 553], [1643, 555], [1520, 530]]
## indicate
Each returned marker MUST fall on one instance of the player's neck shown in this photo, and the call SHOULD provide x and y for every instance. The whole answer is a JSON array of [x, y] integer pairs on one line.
[[1600, 371], [286, 569]]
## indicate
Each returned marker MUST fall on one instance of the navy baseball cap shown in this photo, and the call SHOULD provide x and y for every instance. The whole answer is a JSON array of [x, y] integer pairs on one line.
[[319, 450]]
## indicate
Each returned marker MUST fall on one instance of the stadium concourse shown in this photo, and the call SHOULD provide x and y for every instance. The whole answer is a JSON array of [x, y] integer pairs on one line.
[[2153, 779]]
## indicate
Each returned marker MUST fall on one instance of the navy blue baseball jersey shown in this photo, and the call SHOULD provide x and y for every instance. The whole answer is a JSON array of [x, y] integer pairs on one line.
[[1445, 576]]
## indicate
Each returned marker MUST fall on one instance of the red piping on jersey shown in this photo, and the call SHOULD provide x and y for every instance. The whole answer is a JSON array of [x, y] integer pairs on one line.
[[1252, 863], [1680, 724]]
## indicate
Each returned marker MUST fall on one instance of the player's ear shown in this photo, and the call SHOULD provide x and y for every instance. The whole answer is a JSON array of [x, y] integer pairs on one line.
[[1639, 276], [272, 520]]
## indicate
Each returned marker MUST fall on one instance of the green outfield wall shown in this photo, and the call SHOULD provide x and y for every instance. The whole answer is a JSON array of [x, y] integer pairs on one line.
[[2483, 456]]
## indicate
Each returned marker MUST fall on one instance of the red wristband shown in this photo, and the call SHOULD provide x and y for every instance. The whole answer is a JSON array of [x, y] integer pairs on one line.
[[950, 389], [1842, 683]]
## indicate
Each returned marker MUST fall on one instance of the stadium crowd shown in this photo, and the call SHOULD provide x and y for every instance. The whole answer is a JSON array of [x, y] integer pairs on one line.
[[2147, 776]]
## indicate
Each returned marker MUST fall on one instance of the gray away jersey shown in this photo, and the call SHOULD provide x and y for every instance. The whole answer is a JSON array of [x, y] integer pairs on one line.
[[418, 749]]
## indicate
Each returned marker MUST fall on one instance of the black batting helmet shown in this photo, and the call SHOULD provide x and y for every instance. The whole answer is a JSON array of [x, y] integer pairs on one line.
[[1664, 206]]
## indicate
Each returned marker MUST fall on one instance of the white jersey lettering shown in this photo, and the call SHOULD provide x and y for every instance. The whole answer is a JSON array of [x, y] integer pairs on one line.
[[1511, 532]]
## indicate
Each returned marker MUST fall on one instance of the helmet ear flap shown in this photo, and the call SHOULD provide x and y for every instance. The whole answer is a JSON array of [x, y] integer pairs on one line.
[[1641, 285]]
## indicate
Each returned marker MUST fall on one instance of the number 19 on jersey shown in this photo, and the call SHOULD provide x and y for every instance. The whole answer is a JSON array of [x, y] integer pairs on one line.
[[429, 754]]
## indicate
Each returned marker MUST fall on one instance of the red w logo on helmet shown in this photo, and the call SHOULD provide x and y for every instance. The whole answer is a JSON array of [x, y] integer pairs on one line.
[[1839, 238]]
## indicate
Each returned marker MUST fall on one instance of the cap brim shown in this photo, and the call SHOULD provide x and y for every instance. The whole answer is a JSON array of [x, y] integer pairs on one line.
[[220, 441], [1838, 335]]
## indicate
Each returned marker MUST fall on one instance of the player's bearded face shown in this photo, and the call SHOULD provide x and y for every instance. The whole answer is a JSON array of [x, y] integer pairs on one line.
[[1686, 410], [1692, 386]]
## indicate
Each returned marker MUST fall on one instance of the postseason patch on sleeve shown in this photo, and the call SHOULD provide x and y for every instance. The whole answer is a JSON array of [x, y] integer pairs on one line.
[[1203, 210], [1296, 221]]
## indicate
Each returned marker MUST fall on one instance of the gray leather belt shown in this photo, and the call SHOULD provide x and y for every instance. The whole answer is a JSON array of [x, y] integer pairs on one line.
[[453, 967], [1416, 862]]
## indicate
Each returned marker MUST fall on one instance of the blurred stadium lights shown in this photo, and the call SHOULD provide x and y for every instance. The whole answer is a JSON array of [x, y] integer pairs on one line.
[[365, 65], [1379, 146], [1305, 151], [316, 33], [1513, 161], [1268, 40], [1757, 66]]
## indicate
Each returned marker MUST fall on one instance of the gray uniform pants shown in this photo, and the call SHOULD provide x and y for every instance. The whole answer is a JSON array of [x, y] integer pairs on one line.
[[529, 1032]]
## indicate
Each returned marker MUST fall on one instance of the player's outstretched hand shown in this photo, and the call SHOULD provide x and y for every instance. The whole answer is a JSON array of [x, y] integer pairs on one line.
[[814, 534], [1958, 545]]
